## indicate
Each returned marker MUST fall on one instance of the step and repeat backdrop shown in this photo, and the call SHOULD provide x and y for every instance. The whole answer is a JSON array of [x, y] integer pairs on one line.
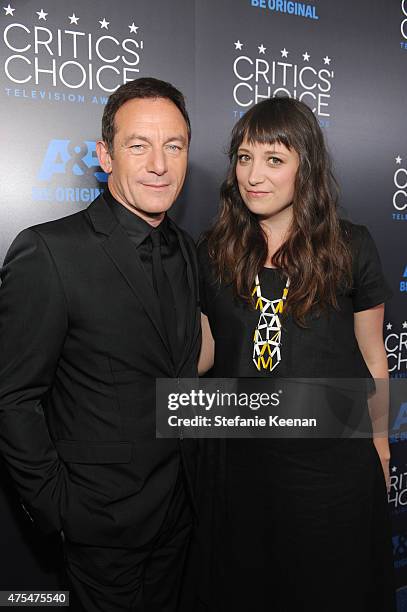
[[347, 60]]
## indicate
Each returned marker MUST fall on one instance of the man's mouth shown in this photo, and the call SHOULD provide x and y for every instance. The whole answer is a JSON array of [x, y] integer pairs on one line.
[[157, 186]]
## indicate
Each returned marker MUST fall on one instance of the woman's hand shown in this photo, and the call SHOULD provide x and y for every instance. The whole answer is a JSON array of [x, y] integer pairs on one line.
[[382, 448], [386, 470], [207, 355]]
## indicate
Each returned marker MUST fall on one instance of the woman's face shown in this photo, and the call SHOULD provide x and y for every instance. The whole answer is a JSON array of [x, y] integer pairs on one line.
[[265, 175]]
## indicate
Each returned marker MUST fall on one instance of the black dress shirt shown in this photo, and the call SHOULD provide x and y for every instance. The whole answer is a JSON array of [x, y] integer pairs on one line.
[[174, 264]]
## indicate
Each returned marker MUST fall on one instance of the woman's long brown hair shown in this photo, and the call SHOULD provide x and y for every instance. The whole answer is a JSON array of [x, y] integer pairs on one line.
[[315, 256]]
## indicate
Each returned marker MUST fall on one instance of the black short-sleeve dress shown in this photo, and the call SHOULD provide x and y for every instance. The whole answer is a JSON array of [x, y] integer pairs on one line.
[[286, 526]]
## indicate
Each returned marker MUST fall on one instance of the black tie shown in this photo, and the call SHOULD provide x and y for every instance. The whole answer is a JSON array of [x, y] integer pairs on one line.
[[165, 296]]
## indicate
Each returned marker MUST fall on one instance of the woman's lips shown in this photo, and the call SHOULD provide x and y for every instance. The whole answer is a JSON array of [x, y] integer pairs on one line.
[[256, 194]]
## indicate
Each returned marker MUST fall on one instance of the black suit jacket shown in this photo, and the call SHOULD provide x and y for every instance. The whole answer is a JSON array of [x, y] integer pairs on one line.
[[81, 343]]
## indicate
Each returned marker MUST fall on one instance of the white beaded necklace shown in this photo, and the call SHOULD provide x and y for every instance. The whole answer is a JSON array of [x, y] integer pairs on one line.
[[267, 335]]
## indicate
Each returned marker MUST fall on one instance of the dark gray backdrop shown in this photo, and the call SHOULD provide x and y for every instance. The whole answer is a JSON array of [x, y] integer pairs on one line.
[[348, 57]]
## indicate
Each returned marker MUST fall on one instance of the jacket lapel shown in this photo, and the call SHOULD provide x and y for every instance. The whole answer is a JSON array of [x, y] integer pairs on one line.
[[123, 253]]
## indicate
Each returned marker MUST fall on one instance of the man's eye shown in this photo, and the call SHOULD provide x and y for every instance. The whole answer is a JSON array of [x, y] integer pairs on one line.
[[173, 148], [137, 147]]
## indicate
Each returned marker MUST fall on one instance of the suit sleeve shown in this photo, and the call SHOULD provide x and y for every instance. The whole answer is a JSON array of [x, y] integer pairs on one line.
[[208, 286], [33, 324]]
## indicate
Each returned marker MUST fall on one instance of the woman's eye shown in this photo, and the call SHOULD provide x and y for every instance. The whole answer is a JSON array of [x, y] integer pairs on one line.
[[274, 161], [243, 158]]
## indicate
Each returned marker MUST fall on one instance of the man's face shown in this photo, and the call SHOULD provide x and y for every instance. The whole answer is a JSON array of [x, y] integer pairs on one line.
[[150, 153]]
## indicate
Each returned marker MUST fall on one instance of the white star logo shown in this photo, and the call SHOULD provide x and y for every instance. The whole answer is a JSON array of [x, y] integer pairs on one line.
[[394, 469], [284, 52], [398, 159], [262, 49], [73, 19], [405, 325], [238, 45], [389, 326], [133, 28], [42, 15], [104, 24], [306, 56], [9, 10], [327, 60]]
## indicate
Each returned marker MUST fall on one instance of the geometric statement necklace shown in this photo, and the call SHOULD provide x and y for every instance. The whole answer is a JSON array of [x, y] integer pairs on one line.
[[267, 335]]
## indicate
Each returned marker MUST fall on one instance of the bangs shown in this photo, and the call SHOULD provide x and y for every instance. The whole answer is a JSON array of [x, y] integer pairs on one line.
[[258, 133], [267, 123]]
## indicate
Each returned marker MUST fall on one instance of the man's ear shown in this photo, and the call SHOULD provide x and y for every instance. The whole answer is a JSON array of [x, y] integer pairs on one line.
[[104, 156]]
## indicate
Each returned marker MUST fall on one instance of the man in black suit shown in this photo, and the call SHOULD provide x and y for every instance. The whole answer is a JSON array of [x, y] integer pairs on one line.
[[93, 308]]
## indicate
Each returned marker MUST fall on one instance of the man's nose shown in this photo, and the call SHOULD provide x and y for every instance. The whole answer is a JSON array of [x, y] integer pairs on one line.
[[157, 161]]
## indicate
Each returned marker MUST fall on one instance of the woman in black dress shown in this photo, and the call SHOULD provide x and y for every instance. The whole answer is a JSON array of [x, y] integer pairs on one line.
[[291, 525]]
